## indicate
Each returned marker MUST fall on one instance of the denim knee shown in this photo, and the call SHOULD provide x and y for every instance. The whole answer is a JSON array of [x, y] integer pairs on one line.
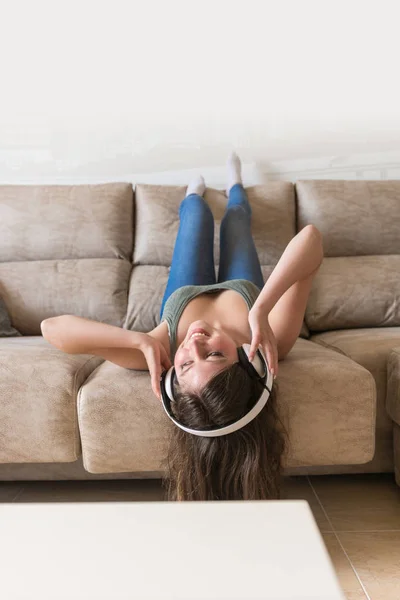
[[239, 210], [195, 203]]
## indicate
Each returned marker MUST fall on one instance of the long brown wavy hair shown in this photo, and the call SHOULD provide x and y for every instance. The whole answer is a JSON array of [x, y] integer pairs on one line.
[[243, 465]]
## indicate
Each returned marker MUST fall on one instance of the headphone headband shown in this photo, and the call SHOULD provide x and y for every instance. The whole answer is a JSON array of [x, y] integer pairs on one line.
[[257, 369]]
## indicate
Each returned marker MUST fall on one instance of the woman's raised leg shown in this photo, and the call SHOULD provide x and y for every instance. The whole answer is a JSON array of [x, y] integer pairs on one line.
[[193, 256], [238, 254]]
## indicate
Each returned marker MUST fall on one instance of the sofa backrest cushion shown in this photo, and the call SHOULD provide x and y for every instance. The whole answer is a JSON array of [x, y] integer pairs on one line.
[[65, 249], [157, 220], [357, 284]]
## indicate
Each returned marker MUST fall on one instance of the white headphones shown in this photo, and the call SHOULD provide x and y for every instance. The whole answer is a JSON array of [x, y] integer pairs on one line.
[[257, 369]]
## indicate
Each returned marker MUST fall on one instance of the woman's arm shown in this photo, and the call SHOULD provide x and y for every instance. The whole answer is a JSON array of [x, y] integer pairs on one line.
[[301, 257], [76, 335], [128, 349]]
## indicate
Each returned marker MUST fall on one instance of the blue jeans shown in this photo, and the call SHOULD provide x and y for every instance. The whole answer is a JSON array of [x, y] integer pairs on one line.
[[193, 257]]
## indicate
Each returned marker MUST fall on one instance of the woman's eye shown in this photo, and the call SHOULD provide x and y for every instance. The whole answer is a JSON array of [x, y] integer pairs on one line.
[[210, 354]]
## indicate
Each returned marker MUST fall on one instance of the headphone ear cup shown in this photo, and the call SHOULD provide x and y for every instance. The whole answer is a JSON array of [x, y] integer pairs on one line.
[[167, 383], [257, 363]]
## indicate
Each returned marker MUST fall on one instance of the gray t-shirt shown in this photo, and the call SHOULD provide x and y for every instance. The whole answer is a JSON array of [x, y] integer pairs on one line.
[[178, 300]]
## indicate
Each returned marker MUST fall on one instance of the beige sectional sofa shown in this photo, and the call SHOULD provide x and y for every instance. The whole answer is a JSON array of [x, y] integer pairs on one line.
[[103, 252]]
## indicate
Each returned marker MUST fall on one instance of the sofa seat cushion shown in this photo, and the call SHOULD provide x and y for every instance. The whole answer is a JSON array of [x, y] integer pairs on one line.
[[369, 347], [330, 419], [38, 390], [329, 404], [122, 424]]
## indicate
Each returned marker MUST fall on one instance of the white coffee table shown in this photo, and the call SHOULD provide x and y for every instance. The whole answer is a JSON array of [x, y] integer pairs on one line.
[[164, 551]]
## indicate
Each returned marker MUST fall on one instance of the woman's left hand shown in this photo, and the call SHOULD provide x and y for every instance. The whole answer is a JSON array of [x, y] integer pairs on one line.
[[262, 335]]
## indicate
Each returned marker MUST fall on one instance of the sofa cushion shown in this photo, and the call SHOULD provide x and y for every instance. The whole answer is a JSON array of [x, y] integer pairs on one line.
[[355, 291], [356, 218], [146, 291], [370, 348], [122, 424], [157, 220], [6, 329], [50, 222], [94, 288], [329, 404], [65, 249], [357, 285], [38, 390], [330, 418]]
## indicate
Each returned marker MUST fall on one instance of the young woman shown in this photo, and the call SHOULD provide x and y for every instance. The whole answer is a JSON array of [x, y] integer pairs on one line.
[[203, 323]]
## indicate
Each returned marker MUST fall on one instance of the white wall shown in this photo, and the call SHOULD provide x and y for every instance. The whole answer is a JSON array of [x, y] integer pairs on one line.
[[158, 90]]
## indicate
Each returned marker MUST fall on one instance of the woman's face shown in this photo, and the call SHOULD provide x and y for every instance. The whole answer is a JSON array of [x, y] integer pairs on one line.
[[200, 357]]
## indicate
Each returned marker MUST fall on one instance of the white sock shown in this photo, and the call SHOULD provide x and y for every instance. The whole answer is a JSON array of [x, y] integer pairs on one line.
[[196, 186], [234, 171]]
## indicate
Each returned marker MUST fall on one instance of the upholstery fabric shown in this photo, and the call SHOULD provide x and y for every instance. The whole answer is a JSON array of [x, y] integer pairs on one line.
[[65, 250], [123, 427], [356, 218], [146, 291], [60, 222], [6, 328], [55, 471], [355, 291], [370, 348], [326, 425], [38, 390], [93, 288]]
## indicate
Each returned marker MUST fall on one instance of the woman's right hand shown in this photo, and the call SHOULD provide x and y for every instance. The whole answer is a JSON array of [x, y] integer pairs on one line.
[[262, 335], [157, 360]]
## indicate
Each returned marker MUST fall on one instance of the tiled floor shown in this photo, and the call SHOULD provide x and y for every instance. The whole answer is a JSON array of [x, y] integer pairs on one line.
[[358, 517], [359, 520]]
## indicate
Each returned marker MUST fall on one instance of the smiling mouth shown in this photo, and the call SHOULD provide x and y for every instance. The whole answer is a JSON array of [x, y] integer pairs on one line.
[[199, 330]]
